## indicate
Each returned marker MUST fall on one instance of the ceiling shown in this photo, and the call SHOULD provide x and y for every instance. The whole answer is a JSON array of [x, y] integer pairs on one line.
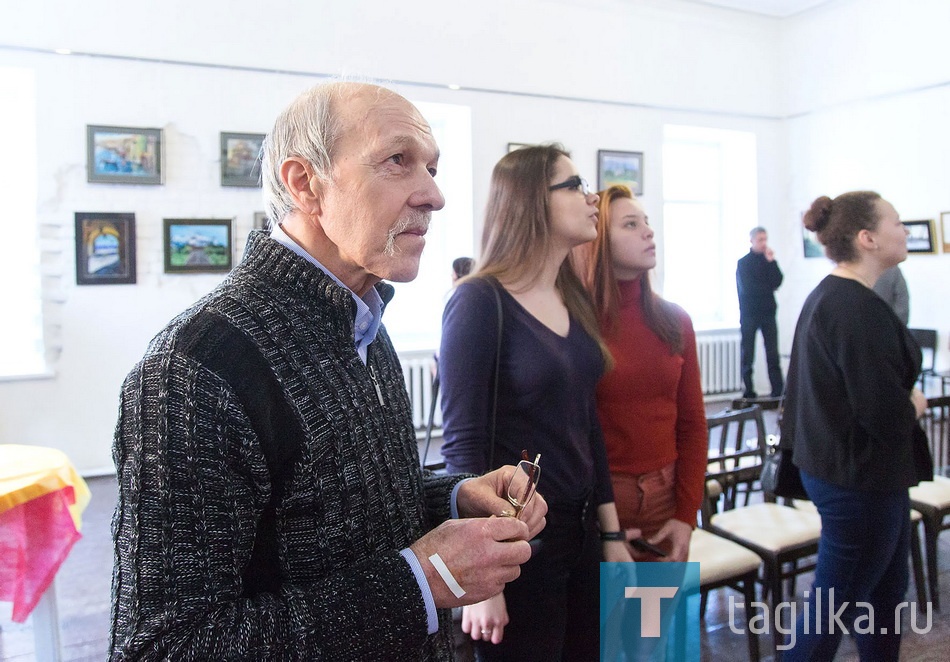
[[776, 8]]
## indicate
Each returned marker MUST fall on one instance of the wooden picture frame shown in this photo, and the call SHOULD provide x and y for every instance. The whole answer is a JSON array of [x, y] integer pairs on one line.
[[197, 245], [124, 155], [945, 230], [615, 167], [260, 221], [921, 238], [105, 248], [241, 159], [514, 147]]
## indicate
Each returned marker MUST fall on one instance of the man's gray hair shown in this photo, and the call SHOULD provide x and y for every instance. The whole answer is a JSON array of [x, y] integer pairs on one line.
[[756, 230], [309, 129]]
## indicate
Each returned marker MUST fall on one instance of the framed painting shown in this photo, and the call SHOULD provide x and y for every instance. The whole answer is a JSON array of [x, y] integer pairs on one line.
[[260, 221], [512, 147], [123, 155], [812, 246], [921, 236], [197, 245], [945, 230], [241, 159], [620, 168], [105, 248]]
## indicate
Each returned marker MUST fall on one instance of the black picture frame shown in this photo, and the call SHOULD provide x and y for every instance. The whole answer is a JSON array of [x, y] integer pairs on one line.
[[614, 167], [260, 221], [105, 248], [241, 159], [921, 238], [198, 245], [124, 155]]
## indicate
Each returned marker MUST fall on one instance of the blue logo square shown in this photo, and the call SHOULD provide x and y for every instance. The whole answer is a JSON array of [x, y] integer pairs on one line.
[[649, 611]]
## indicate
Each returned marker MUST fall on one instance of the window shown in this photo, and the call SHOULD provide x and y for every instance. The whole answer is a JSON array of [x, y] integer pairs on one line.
[[414, 319], [710, 198], [21, 334]]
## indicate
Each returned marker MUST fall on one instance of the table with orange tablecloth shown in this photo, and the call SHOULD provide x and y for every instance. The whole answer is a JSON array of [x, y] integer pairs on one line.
[[41, 503]]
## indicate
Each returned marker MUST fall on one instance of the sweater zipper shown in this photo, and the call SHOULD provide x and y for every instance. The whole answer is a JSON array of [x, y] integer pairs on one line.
[[372, 375]]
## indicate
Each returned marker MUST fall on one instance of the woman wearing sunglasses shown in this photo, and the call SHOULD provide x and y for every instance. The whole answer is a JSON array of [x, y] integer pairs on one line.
[[549, 361]]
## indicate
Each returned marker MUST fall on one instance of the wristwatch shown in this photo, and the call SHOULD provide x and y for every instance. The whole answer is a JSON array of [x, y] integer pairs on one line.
[[613, 535]]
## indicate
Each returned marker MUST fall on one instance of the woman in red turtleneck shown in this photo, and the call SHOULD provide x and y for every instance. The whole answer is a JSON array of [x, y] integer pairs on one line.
[[651, 404]]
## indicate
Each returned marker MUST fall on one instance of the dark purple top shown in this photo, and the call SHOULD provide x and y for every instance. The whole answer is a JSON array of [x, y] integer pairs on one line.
[[546, 395]]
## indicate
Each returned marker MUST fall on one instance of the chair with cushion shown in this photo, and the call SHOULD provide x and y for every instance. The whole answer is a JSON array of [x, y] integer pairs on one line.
[[725, 563], [932, 497], [782, 536]]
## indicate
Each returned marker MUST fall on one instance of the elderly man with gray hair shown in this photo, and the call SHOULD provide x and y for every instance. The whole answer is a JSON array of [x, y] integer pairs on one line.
[[271, 504]]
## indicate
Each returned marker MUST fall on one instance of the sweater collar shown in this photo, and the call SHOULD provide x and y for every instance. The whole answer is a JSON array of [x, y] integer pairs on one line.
[[630, 290]]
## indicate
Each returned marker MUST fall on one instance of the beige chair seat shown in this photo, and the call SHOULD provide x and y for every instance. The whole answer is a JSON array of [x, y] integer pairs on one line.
[[720, 559], [808, 506], [934, 493], [770, 526]]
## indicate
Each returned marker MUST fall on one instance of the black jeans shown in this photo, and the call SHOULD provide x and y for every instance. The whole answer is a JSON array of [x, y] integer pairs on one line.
[[749, 325], [554, 606]]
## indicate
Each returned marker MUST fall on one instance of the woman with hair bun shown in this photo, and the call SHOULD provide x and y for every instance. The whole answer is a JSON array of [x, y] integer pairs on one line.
[[850, 417]]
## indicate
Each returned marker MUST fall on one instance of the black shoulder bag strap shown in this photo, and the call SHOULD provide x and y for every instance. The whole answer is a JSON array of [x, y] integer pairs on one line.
[[494, 405]]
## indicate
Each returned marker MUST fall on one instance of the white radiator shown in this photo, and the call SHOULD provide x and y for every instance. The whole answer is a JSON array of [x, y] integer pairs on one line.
[[719, 361], [417, 370]]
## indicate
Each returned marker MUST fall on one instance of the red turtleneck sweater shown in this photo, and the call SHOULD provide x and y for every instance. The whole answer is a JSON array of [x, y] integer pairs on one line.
[[651, 404]]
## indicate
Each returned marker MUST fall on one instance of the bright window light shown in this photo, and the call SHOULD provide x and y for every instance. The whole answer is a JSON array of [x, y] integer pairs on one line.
[[710, 199], [21, 334]]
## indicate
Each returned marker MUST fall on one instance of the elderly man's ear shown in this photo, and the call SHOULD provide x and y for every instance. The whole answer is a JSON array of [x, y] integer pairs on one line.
[[300, 181]]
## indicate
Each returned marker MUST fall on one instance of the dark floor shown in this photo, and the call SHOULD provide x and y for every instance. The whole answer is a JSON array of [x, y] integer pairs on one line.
[[84, 580]]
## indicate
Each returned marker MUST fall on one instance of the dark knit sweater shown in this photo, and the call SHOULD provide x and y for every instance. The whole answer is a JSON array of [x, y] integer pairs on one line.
[[264, 489]]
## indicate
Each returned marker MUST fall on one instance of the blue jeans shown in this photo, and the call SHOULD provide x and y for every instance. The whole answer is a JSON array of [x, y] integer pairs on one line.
[[862, 556]]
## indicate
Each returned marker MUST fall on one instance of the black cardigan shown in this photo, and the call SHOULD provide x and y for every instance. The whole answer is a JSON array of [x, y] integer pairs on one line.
[[848, 415], [264, 489]]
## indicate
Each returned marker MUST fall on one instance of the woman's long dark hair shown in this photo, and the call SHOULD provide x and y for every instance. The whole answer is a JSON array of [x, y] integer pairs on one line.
[[517, 232]]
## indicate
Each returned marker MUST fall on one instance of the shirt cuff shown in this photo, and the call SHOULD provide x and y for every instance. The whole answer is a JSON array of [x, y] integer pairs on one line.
[[455, 492], [431, 614]]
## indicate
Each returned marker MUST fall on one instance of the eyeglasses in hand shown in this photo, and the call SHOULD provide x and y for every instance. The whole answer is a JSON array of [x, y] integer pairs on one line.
[[524, 482]]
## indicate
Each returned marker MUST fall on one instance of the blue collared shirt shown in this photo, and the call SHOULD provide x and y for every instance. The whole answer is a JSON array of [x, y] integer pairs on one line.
[[369, 312]]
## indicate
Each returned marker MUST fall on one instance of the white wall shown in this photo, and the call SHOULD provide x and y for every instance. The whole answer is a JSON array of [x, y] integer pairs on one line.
[[622, 68], [868, 85]]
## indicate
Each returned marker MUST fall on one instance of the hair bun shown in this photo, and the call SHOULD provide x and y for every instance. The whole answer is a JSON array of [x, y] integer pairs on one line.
[[816, 218]]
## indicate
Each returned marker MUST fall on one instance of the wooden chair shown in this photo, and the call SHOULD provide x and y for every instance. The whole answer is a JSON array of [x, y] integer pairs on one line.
[[932, 497], [723, 563], [927, 339], [782, 536]]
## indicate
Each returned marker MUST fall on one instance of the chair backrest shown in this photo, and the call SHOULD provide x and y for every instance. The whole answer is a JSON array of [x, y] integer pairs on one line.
[[936, 422], [927, 339], [736, 451]]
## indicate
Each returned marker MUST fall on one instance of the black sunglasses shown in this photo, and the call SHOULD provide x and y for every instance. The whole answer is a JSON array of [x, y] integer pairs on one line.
[[575, 182]]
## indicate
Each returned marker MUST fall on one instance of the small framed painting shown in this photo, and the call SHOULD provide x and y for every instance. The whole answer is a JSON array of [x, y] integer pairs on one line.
[[197, 245], [513, 147], [921, 237], [105, 248], [123, 155], [620, 168], [241, 159], [813, 247], [260, 221], [945, 230]]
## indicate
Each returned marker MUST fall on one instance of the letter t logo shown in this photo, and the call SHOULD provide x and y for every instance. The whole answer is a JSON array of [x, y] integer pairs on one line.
[[650, 597]]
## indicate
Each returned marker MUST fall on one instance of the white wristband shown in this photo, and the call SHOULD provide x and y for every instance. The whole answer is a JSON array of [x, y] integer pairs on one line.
[[446, 575]]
